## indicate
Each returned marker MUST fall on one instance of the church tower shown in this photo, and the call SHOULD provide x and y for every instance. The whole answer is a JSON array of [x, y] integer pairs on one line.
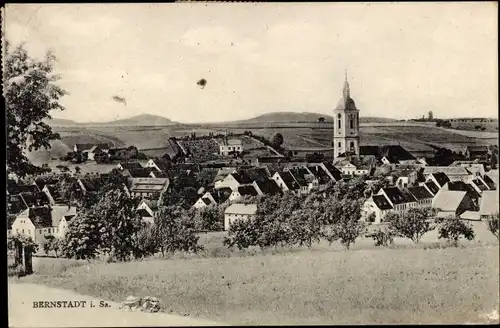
[[346, 125]]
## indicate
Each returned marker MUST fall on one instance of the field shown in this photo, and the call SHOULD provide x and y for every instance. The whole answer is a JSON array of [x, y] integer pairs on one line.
[[407, 283]]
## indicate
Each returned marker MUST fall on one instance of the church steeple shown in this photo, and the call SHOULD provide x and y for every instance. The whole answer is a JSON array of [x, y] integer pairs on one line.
[[347, 91]]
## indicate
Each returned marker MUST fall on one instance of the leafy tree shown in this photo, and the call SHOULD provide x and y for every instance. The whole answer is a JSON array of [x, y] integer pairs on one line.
[[175, 230], [78, 170], [209, 218], [493, 224], [147, 243], [346, 226], [242, 234], [82, 238], [383, 237], [277, 140], [452, 228], [30, 94], [412, 223]]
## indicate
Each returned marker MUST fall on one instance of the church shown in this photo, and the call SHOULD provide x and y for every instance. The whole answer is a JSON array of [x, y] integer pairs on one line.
[[346, 125]]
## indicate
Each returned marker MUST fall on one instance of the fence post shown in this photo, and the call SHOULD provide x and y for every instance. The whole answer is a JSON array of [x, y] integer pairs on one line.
[[27, 259]]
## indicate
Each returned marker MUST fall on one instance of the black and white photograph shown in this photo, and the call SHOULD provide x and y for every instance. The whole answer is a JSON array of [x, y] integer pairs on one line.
[[251, 163]]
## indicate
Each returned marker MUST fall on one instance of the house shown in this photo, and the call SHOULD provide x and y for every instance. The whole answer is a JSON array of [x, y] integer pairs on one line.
[[40, 182], [476, 152], [473, 194], [242, 177], [268, 187], [159, 164], [147, 210], [439, 178], [222, 173], [53, 195], [148, 187], [453, 203], [63, 224], [355, 166], [331, 170], [286, 182], [405, 177], [242, 191], [129, 166], [15, 204], [90, 184], [206, 177], [15, 188], [395, 154], [229, 146], [476, 169], [238, 212], [454, 173], [37, 222], [399, 200], [422, 195], [143, 172], [489, 206], [214, 197], [32, 199], [489, 182], [92, 152], [379, 205], [87, 147]]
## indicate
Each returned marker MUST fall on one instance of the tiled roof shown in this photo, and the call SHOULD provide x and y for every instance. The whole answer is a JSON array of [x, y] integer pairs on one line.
[[441, 178], [289, 180], [58, 212], [433, 187], [462, 186], [269, 187], [222, 173], [35, 199], [221, 195], [489, 181], [249, 209], [148, 184], [381, 202], [54, 193], [160, 174], [480, 184], [141, 172], [395, 195], [448, 170], [247, 190], [15, 204], [333, 171], [163, 165], [15, 189], [395, 153], [420, 192], [131, 165], [234, 142], [41, 182]]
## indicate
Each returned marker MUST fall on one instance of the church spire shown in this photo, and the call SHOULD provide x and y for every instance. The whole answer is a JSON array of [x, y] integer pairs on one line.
[[347, 92]]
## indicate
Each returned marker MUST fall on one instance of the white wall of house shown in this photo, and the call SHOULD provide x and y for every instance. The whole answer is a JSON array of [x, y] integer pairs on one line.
[[235, 195], [22, 225], [279, 181], [229, 182], [63, 228], [49, 196], [368, 208], [226, 149], [199, 203], [229, 218]]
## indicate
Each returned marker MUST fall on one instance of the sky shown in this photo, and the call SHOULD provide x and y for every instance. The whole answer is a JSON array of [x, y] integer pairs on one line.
[[402, 59]]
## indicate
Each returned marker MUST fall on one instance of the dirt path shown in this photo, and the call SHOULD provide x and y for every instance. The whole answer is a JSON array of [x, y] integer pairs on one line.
[[23, 314]]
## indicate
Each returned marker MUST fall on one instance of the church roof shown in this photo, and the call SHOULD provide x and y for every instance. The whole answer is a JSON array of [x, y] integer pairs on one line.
[[346, 104]]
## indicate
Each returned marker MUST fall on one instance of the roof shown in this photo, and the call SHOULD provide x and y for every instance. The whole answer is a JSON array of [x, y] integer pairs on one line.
[[381, 202], [247, 176], [159, 174], [448, 200], [346, 103], [84, 146], [480, 184], [289, 180], [299, 176], [207, 175], [234, 142], [15, 204], [332, 170], [441, 178], [409, 198], [395, 153], [144, 213], [320, 174], [58, 212], [35, 198], [268, 187], [489, 181], [433, 187], [477, 149], [131, 165], [143, 172], [395, 195], [40, 216], [369, 150], [92, 183], [489, 203], [41, 182], [14, 188], [54, 193], [420, 192], [470, 215], [162, 164], [462, 186], [249, 209], [206, 200], [221, 195], [448, 170], [222, 173], [148, 184], [248, 190]]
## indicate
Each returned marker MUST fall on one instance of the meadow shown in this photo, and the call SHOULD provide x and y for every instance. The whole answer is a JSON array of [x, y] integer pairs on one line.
[[424, 283]]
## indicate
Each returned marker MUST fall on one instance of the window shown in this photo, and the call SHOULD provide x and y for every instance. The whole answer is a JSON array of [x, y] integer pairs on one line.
[[340, 144], [339, 124], [351, 122], [352, 145], [23, 231]]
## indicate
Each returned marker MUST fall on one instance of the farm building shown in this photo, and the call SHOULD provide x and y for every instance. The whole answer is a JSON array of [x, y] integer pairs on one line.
[[229, 146], [454, 173], [400, 200], [422, 195], [379, 205], [477, 152], [453, 203], [148, 187], [37, 222], [238, 212]]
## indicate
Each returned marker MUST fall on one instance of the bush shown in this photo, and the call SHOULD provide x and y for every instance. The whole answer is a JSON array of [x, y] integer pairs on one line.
[[452, 228], [493, 225], [383, 237]]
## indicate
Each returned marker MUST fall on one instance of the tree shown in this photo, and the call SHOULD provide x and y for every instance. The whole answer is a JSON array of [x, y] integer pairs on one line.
[[383, 237], [452, 228], [175, 230], [346, 226], [321, 119], [412, 223], [78, 170], [82, 238], [493, 224], [209, 218], [30, 95], [277, 140]]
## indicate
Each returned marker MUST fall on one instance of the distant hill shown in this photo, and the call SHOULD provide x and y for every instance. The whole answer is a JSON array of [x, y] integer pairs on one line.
[[139, 120], [293, 117]]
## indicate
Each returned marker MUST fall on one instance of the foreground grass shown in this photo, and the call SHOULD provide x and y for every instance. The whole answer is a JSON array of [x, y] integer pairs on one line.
[[451, 285]]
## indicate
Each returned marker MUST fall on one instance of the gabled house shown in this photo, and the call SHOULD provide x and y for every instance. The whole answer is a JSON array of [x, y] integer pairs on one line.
[[431, 186], [147, 209], [144, 172], [479, 185], [63, 224], [476, 169], [159, 164], [454, 173], [379, 205], [331, 170], [238, 212], [38, 222], [148, 187], [221, 175], [213, 197], [40, 182], [34, 199], [53, 195], [422, 196], [242, 191], [88, 147], [462, 186], [476, 152], [228, 146], [286, 182], [268, 187], [129, 166], [439, 178], [243, 177], [395, 154], [399, 201], [15, 204], [454, 203]]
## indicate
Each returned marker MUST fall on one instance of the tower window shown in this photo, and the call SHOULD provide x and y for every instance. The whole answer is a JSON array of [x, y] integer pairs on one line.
[[340, 144], [351, 122], [352, 145]]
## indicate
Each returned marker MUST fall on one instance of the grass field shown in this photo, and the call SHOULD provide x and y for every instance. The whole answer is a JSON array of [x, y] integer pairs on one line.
[[325, 285]]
